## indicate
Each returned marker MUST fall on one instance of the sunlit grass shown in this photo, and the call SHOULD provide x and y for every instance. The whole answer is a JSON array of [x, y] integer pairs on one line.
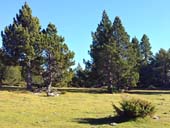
[[75, 109]]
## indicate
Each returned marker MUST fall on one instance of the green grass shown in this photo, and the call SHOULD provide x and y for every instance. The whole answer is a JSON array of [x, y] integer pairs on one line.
[[77, 108]]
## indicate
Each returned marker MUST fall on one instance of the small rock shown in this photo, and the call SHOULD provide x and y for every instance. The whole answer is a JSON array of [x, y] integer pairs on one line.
[[36, 93], [156, 117], [52, 94], [113, 124], [57, 94]]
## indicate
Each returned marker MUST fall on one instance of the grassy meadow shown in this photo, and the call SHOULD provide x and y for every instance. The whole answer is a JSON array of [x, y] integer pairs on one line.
[[77, 108]]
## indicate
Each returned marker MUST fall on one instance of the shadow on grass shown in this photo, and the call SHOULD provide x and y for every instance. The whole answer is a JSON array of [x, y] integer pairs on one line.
[[102, 121], [13, 89], [149, 92], [62, 90], [83, 90]]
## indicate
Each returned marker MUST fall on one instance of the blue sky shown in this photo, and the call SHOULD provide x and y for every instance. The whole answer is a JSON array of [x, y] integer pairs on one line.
[[76, 19]]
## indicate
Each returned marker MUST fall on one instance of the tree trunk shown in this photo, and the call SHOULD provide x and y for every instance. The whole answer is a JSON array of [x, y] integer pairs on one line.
[[49, 83], [49, 88], [49, 75], [29, 79], [111, 88]]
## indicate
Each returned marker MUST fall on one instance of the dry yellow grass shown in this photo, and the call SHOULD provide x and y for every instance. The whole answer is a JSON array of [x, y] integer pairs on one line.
[[77, 108]]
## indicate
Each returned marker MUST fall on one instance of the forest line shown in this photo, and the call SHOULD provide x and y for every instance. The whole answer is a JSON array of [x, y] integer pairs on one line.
[[40, 57]]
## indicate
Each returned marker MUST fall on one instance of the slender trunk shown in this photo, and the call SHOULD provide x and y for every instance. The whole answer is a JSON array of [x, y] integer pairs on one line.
[[29, 79], [164, 74], [1, 79], [49, 83], [165, 77], [110, 86], [49, 75], [49, 87], [110, 80]]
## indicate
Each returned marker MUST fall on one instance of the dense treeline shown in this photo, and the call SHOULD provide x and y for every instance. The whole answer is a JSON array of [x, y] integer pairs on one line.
[[40, 57], [34, 55], [120, 63]]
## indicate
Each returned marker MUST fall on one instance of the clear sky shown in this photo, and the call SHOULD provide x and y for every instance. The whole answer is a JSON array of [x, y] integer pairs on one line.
[[76, 19]]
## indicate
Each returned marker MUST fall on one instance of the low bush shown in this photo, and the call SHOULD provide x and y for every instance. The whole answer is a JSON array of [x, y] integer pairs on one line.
[[37, 80], [12, 75], [135, 107], [21, 84]]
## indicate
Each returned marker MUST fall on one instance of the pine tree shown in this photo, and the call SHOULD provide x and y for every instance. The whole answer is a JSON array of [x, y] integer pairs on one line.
[[2, 66], [162, 67], [21, 40], [113, 58], [58, 58], [79, 77], [98, 50], [145, 49], [145, 66], [136, 48], [125, 71]]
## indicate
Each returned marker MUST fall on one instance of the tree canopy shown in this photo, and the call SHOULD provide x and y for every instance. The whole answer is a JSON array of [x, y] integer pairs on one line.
[[41, 56], [38, 51]]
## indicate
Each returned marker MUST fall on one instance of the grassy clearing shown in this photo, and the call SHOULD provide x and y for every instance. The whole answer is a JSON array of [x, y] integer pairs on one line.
[[77, 108]]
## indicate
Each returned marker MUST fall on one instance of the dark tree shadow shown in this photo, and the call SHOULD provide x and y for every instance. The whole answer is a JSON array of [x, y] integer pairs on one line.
[[61, 90], [102, 121], [149, 92], [84, 90], [13, 89]]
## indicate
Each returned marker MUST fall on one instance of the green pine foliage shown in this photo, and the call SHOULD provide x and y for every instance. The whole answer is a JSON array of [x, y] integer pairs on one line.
[[161, 68], [80, 78], [113, 58], [98, 48], [20, 40], [116, 62], [126, 72], [1, 66], [137, 52], [145, 50], [57, 58], [38, 52], [37, 80], [146, 67]]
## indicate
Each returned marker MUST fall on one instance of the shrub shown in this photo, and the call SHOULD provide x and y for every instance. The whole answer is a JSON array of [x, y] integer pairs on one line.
[[12, 75], [37, 79], [134, 107], [21, 84]]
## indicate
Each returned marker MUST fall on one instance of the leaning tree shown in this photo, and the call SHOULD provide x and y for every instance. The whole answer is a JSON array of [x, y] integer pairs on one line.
[[57, 58]]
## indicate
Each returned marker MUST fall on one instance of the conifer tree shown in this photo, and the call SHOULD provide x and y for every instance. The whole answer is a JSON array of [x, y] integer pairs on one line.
[[2, 66], [145, 49], [58, 58], [162, 67], [79, 77], [145, 66], [20, 40], [125, 71], [136, 48], [98, 50], [113, 57]]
